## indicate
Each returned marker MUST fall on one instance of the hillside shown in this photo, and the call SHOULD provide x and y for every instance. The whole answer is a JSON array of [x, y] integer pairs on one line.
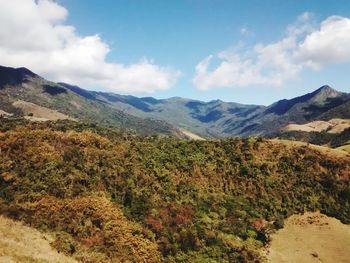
[[23, 93], [331, 126], [324, 104], [149, 116], [334, 136], [109, 197]]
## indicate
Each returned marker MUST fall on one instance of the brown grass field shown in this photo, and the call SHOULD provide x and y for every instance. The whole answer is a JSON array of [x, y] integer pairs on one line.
[[309, 238], [331, 126], [19, 243], [39, 113]]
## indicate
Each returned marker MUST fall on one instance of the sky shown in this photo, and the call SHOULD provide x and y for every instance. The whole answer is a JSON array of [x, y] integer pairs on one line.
[[246, 51]]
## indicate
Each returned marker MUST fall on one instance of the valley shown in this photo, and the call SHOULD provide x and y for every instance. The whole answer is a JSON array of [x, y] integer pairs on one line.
[[182, 131]]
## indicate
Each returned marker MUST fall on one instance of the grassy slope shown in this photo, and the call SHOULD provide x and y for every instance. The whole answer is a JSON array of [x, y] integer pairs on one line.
[[335, 153], [331, 126], [310, 238], [332, 140], [345, 148], [19, 243], [185, 201], [37, 112]]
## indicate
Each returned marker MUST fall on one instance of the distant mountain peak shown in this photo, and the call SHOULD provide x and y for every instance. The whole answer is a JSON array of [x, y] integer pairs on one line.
[[323, 93], [327, 89], [318, 96]]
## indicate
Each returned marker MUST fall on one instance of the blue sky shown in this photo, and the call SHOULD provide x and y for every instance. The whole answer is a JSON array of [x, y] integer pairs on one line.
[[167, 40]]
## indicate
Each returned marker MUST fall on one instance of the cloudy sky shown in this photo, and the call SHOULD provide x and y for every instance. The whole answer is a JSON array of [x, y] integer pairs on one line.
[[255, 51]]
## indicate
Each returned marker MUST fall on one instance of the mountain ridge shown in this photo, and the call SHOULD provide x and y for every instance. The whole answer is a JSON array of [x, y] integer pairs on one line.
[[22, 85], [211, 119]]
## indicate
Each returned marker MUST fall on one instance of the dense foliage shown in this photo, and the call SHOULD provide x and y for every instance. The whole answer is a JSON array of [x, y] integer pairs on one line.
[[146, 199]]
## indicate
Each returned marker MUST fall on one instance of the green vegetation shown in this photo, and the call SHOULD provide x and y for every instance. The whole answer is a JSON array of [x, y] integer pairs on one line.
[[107, 196]]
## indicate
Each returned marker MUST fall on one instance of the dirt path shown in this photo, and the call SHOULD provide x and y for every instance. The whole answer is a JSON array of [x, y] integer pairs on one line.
[[309, 238]]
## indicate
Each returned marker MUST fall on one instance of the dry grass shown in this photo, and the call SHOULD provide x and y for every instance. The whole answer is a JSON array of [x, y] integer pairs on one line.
[[39, 113], [308, 238], [19, 243], [332, 126], [337, 153], [4, 113], [345, 148]]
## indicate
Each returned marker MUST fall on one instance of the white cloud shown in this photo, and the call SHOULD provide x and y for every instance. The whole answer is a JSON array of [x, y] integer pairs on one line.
[[329, 44], [305, 46], [34, 34]]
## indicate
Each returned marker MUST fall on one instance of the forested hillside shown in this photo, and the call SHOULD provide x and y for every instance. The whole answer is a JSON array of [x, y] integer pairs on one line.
[[107, 196]]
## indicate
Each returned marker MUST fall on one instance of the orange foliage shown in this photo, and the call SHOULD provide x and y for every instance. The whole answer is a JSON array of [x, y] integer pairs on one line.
[[97, 225], [259, 224]]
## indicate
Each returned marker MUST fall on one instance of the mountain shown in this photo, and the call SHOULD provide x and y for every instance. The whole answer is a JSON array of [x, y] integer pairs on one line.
[[208, 119], [221, 119], [24, 93], [323, 104], [173, 116]]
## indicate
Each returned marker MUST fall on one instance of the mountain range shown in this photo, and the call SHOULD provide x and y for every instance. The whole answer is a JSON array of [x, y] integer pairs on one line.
[[24, 93]]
